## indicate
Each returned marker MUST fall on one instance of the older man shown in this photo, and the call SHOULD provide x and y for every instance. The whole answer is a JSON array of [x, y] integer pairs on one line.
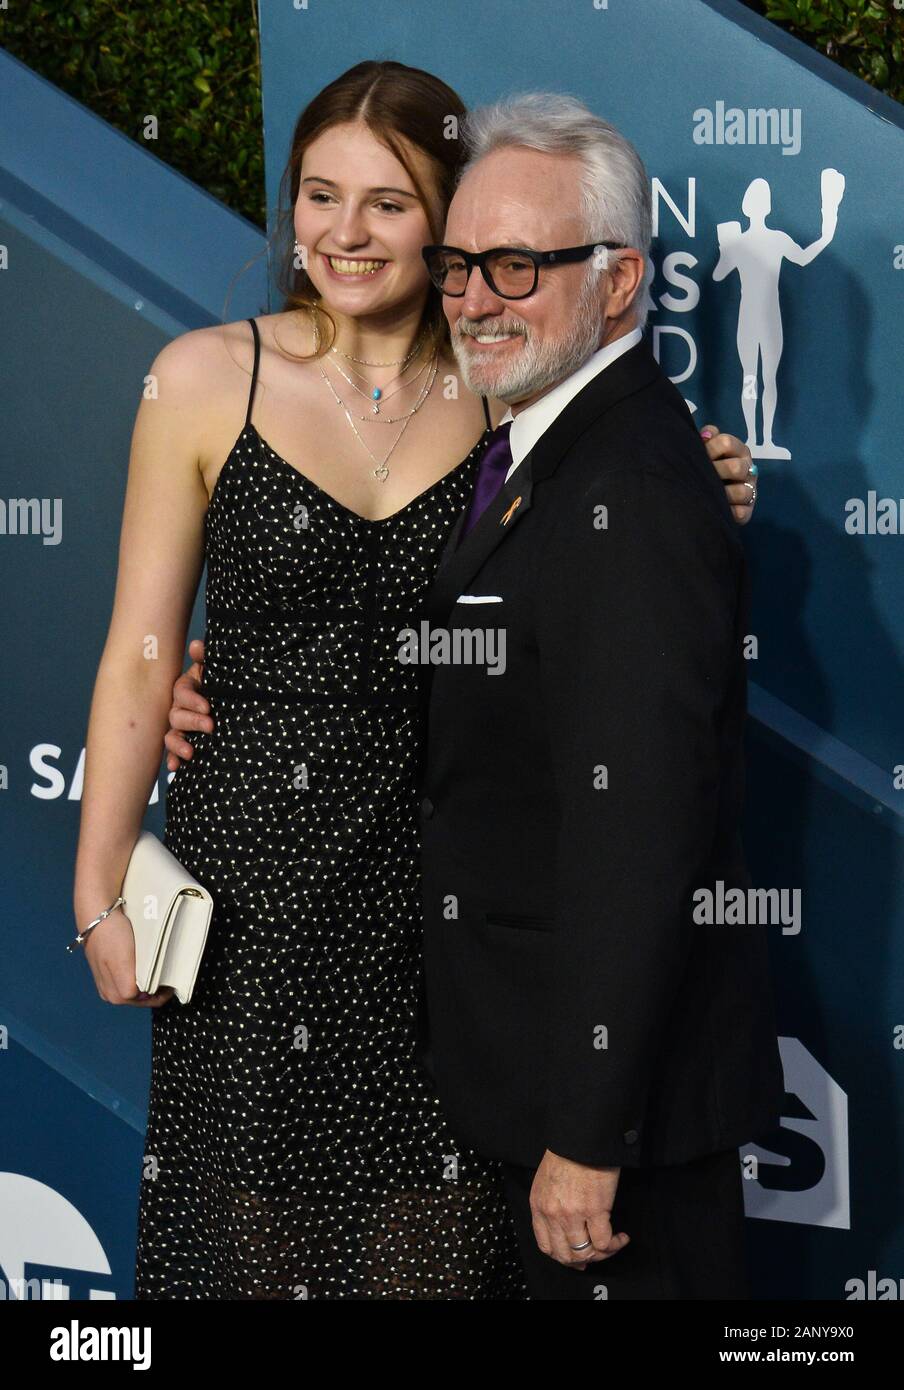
[[585, 1029]]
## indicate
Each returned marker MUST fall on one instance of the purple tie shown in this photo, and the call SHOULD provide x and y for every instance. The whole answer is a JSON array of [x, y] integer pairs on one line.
[[496, 462]]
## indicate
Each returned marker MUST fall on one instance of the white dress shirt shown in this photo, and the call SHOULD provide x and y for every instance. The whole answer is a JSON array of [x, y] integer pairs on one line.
[[535, 419]]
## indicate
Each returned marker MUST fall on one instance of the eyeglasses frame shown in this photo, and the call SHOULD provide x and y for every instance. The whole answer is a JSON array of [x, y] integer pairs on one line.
[[564, 255]]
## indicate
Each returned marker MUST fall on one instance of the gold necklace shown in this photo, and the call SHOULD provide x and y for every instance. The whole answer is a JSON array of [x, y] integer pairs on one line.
[[365, 362], [375, 408], [381, 471], [377, 393]]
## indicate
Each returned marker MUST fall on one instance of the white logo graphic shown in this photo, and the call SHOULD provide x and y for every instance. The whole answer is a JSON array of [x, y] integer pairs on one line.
[[806, 1179], [757, 255], [39, 1227]]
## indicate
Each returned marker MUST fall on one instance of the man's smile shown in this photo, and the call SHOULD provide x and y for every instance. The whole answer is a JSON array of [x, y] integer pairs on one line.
[[491, 340]]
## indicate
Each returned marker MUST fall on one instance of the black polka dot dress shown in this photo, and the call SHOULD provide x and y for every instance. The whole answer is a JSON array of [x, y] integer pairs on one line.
[[295, 1148]]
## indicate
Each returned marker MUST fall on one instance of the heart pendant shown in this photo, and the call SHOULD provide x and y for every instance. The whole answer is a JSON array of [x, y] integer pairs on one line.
[[381, 472]]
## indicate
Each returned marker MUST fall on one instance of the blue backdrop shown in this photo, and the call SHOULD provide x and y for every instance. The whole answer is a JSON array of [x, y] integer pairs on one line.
[[110, 253]]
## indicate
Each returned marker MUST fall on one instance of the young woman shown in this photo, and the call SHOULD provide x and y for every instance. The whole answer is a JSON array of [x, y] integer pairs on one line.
[[317, 459]]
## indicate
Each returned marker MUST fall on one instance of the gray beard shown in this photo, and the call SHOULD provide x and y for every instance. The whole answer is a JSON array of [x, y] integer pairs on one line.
[[542, 364]]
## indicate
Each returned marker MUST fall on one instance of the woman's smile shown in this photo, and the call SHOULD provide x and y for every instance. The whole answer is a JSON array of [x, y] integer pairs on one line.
[[348, 268]]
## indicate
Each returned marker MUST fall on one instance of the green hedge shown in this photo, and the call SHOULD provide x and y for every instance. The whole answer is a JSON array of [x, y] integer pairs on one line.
[[864, 36], [194, 64]]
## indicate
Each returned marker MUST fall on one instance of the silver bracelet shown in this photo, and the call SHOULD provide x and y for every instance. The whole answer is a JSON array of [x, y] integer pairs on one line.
[[97, 921]]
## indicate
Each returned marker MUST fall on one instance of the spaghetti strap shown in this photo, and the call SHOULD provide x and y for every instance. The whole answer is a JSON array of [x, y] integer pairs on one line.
[[257, 358], [486, 411]]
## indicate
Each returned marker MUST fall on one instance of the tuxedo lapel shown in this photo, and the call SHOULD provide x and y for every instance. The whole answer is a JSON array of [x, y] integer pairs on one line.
[[459, 563], [629, 373]]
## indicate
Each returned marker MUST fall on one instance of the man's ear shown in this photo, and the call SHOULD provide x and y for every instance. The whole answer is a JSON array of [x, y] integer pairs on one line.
[[625, 272]]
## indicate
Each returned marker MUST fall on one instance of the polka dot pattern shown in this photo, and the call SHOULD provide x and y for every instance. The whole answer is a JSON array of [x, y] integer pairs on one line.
[[295, 1148]]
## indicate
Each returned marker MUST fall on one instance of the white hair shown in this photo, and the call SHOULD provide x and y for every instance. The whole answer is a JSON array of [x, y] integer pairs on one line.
[[615, 189]]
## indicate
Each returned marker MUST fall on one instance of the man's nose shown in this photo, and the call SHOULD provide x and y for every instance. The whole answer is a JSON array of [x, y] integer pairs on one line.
[[479, 300]]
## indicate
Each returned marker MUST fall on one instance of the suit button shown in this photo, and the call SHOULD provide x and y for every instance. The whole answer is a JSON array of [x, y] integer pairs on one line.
[[631, 1137], [427, 808]]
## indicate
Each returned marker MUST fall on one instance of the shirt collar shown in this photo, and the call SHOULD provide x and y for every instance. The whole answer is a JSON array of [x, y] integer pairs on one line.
[[529, 424]]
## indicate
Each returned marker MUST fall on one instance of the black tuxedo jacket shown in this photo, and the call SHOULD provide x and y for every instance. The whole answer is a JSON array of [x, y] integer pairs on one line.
[[574, 801]]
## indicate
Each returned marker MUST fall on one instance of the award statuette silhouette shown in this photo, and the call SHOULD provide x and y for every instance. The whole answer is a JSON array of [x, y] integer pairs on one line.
[[757, 256]]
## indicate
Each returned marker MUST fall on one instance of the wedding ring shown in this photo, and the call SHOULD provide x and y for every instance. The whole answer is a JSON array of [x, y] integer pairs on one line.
[[576, 1248]]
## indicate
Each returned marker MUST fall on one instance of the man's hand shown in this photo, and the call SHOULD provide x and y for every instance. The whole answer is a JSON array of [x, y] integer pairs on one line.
[[190, 709], [735, 466], [570, 1204]]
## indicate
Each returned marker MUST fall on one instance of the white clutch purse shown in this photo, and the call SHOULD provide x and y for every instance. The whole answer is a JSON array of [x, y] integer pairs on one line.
[[170, 915]]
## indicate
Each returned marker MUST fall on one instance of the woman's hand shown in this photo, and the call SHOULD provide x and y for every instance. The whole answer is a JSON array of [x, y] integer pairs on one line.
[[110, 950], [190, 710], [733, 463]]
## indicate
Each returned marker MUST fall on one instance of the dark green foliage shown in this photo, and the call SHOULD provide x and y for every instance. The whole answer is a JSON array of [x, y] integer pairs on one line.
[[193, 64], [864, 36]]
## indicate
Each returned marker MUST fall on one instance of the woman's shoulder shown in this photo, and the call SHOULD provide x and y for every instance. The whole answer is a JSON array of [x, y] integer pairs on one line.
[[200, 379], [203, 362], [198, 362]]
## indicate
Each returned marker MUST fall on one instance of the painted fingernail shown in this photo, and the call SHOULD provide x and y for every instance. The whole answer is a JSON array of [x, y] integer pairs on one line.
[[143, 995], [754, 471], [707, 434]]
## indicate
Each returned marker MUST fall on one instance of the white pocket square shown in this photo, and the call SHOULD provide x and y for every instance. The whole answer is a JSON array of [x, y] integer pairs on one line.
[[479, 598]]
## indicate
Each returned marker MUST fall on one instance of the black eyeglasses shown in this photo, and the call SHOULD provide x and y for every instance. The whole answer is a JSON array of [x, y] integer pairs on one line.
[[510, 271]]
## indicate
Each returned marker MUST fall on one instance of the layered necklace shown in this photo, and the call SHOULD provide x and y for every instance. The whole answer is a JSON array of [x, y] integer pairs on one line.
[[378, 395]]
